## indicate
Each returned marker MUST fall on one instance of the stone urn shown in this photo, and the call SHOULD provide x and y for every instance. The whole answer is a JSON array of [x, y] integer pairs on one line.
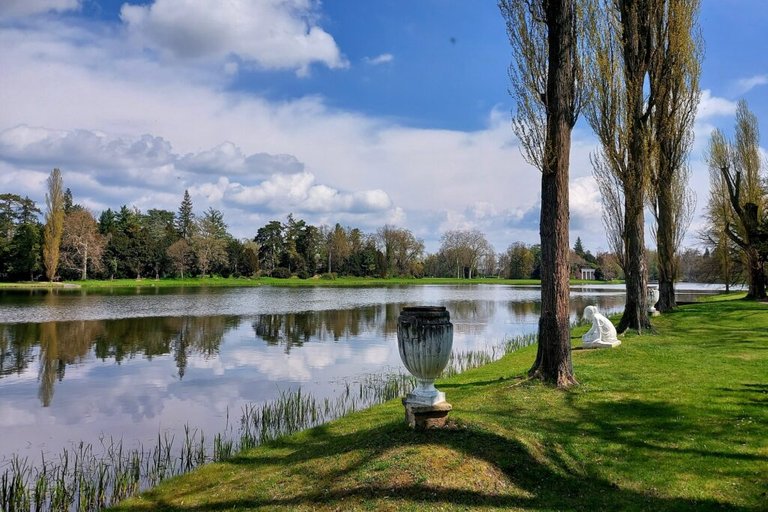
[[425, 338], [653, 298]]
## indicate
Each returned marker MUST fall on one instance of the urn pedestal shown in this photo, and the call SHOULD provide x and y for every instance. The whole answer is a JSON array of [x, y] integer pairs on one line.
[[424, 339]]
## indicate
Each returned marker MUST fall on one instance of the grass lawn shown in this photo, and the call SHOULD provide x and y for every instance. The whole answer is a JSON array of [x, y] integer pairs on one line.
[[672, 421], [262, 281]]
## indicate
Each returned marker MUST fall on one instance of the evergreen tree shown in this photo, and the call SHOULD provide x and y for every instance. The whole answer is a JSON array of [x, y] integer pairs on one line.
[[185, 219], [578, 248]]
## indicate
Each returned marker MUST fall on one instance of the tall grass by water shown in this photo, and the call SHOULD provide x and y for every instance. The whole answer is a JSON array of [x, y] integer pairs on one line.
[[87, 478]]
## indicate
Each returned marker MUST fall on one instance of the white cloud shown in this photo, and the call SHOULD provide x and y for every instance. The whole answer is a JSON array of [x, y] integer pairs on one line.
[[271, 34], [712, 106], [227, 158], [229, 148], [745, 85], [20, 8], [384, 58], [585, 204], [83, 148], [299, 192]]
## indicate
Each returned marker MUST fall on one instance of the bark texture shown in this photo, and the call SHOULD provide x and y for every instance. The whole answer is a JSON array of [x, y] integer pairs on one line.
[[553, 359]]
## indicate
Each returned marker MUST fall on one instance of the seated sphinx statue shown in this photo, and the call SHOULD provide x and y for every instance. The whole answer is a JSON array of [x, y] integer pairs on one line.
[[602, 334]]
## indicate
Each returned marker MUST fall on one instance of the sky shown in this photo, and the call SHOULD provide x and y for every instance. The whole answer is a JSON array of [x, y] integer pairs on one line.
[[362, 113]]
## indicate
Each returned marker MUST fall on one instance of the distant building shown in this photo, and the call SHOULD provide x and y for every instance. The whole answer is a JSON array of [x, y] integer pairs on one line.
[[587, 273]]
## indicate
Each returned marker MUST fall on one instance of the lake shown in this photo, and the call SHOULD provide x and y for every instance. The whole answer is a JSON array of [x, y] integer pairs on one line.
[[131, 363]]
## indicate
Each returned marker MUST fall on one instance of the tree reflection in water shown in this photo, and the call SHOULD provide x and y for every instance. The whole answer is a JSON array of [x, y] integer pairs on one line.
[[68, 343]]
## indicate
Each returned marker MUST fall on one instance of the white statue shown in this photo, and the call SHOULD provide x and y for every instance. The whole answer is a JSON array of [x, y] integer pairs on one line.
[[602, 334]]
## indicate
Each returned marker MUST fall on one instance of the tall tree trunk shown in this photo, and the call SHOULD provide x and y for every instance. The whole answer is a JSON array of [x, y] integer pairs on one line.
[[636, 47], [636, 274], [665, 239], [553, 358], [756, 289], [84, 273]]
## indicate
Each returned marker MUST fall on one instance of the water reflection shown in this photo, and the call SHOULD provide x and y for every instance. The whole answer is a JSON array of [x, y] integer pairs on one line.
[[131, 364], [60, 344]]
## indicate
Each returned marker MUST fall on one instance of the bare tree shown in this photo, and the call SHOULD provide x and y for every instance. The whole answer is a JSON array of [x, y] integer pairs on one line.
[[718, 211], [81, 243], [180, 254], [54, 223], [612, 200], [622, 45], [546, 82], [674, 80], [740, 166]]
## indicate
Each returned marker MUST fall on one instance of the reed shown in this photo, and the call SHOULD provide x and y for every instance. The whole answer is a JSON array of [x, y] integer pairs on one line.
[[84, 479]]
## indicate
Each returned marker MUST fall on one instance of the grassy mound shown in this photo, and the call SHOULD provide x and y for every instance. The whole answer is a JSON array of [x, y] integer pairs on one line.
[[672, 421]]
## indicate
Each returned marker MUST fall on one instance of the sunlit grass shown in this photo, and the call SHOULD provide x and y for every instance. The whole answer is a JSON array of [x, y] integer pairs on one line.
[[88, 478], [672, 421]]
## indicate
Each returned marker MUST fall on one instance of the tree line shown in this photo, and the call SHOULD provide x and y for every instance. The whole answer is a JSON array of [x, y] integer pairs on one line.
[[71, 243]]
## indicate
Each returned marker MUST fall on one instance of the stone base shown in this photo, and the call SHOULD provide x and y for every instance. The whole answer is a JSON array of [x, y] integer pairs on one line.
[[423, 417], [601, 344], [432, 398]]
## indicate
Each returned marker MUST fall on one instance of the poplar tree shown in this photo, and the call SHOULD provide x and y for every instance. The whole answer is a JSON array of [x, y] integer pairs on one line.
[[546, 80], [54, 223], [622, 47], [674, 82]]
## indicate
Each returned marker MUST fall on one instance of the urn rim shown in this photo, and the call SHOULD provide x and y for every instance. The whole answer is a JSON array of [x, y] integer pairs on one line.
[[412, 310]]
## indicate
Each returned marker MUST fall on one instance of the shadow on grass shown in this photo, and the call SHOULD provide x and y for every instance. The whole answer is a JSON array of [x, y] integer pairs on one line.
[[535, 482]]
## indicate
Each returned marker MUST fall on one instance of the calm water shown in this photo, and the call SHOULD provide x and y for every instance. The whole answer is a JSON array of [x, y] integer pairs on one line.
[[78, 365]]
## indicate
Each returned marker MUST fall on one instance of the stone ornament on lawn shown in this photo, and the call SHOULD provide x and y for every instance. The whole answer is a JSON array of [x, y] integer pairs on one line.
[[602, 334], [653, 298], [424, 339]]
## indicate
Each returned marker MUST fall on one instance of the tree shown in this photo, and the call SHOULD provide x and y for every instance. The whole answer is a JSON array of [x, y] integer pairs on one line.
[[719, 216], [466, 248], [622, 45], [520, 262], [338, 248], [740, 166], [126, 247], [270, 241], [160, 234], [210, 241], [185, 219], [674, 80], [54, 223], [180, 253], [20, 237], [546, 83], [81, 243], [578, 247], [294, 229], [402, 251]]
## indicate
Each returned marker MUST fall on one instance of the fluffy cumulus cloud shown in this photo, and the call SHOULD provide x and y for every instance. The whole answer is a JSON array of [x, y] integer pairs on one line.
[[272, 184], [128, 129], [20, 8], [271, 34], [713, 106]]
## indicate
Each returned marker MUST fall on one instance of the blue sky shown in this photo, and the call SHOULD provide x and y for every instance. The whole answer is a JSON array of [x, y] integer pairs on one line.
[[349, 111]]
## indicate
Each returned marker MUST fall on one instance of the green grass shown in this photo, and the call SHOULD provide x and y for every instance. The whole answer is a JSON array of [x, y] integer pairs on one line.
[[672, 421], [268, 281]]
